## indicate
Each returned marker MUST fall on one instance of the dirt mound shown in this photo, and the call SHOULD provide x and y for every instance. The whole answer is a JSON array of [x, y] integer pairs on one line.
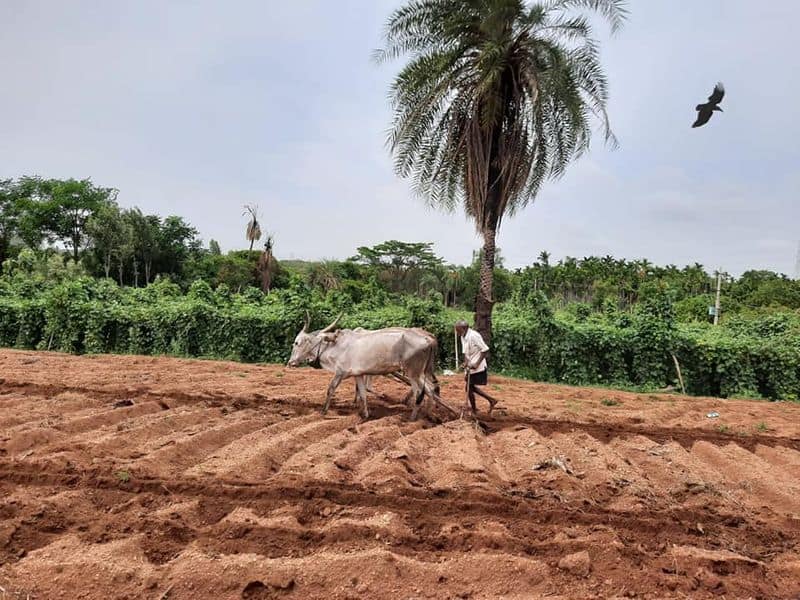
[[135, 477]]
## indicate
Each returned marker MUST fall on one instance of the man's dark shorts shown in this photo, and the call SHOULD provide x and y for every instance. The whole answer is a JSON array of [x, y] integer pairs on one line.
[[478, 378]]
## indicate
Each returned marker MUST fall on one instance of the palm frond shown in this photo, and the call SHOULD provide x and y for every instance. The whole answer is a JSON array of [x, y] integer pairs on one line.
[[498, 96]]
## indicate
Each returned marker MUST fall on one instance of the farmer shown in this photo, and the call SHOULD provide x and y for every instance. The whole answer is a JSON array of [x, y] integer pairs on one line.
[[474, 365]]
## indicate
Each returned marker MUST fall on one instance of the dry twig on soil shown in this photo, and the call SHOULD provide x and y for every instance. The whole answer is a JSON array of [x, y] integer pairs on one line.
[[557, 462]]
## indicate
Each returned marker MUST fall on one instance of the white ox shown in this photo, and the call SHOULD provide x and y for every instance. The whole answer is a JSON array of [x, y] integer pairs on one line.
[[364, 353], [430, 371]]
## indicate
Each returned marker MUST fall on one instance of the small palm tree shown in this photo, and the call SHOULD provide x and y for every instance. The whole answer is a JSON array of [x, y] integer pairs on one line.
[[497, 97], [253, 231], [266, 266]]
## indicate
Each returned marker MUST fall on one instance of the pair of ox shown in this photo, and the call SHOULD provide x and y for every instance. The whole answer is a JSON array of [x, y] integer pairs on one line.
[[408, 354]]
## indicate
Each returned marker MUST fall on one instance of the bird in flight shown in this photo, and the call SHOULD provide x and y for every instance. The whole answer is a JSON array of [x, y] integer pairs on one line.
[[704, 111]]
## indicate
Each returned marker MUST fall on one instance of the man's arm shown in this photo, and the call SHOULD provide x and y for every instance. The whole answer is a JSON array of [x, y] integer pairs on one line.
[[484, 350], [478, 360]]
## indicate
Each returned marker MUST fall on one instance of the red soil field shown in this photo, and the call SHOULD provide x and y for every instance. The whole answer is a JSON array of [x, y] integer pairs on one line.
[[159, 478]]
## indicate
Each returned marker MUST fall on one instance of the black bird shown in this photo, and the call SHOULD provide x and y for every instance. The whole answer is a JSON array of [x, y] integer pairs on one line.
[[704, 111]]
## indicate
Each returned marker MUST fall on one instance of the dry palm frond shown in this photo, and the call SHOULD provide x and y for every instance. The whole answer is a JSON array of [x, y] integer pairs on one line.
[[253, 231]]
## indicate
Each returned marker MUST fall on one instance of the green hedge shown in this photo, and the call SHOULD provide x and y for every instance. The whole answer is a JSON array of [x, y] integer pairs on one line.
[[757, 357]]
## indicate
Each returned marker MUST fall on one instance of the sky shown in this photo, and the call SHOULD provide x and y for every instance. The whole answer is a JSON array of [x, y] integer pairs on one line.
[[198, 108]]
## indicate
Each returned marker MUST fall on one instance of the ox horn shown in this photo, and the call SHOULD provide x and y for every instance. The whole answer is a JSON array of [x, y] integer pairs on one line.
[[332, 325], [307, 323]]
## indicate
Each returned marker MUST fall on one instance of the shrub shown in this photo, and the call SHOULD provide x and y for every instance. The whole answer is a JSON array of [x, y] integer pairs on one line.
[[758, 355]]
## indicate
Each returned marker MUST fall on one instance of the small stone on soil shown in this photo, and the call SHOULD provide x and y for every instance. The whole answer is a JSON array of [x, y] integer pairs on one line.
[[578, 564]]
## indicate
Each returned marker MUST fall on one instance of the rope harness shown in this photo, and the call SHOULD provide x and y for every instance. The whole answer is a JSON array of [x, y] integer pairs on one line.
[[316, 362]]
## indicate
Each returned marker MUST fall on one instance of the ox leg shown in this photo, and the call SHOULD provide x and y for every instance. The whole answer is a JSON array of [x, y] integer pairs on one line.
[[368, 379], [434, 393], [361, 390], [402, 379], [337, 379], [419, 394]]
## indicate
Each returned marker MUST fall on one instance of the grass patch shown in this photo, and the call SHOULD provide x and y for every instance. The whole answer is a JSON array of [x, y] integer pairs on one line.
[[723, 429], [123, 476], [610, 402], [762, 427]]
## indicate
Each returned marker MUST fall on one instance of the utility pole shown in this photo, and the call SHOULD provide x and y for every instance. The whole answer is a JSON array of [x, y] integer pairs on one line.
[[797, 264], [716, 303]]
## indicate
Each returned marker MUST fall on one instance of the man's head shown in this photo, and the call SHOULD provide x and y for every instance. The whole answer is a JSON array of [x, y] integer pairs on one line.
[[461, 327]]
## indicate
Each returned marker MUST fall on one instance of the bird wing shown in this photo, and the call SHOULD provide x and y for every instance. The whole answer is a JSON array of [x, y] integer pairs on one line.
[[717, 94], [703, 116]]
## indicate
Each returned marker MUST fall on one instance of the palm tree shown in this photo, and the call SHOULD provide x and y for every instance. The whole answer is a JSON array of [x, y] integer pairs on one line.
[[497, 97], [544, 258], [253, 231], [266, 266]]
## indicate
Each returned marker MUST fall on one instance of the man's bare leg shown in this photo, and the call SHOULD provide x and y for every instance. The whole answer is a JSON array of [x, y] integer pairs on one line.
[[482, 394], [471, 396]]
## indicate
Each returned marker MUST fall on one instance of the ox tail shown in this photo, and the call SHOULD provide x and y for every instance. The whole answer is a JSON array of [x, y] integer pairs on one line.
[[429, 375], [431, 366]]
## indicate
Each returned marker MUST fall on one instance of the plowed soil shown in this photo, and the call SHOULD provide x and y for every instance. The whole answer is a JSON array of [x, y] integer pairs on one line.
[[157, 478]]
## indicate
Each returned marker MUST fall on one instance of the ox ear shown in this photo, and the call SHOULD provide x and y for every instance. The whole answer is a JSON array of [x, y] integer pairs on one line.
[[330, 336], [332, 325], [307, 322]]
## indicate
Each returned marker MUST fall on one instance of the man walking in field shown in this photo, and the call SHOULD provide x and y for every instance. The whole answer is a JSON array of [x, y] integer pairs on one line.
[[474, 365]]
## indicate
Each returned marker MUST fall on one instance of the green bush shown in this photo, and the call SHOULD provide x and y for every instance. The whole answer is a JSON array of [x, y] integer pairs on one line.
[[755, 355]]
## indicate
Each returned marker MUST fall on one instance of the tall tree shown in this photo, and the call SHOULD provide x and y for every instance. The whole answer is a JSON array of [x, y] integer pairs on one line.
[[178, 241], [62, 208], [146, 240], [400, 264], [107, 233], [9, 216], [496, 98]]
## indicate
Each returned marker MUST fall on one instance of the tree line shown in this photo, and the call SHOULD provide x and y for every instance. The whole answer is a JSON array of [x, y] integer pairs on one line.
[[85, 220], [83, 224]]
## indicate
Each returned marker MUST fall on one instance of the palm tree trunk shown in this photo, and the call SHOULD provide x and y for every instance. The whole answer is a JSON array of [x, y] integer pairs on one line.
[[484, 301]]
